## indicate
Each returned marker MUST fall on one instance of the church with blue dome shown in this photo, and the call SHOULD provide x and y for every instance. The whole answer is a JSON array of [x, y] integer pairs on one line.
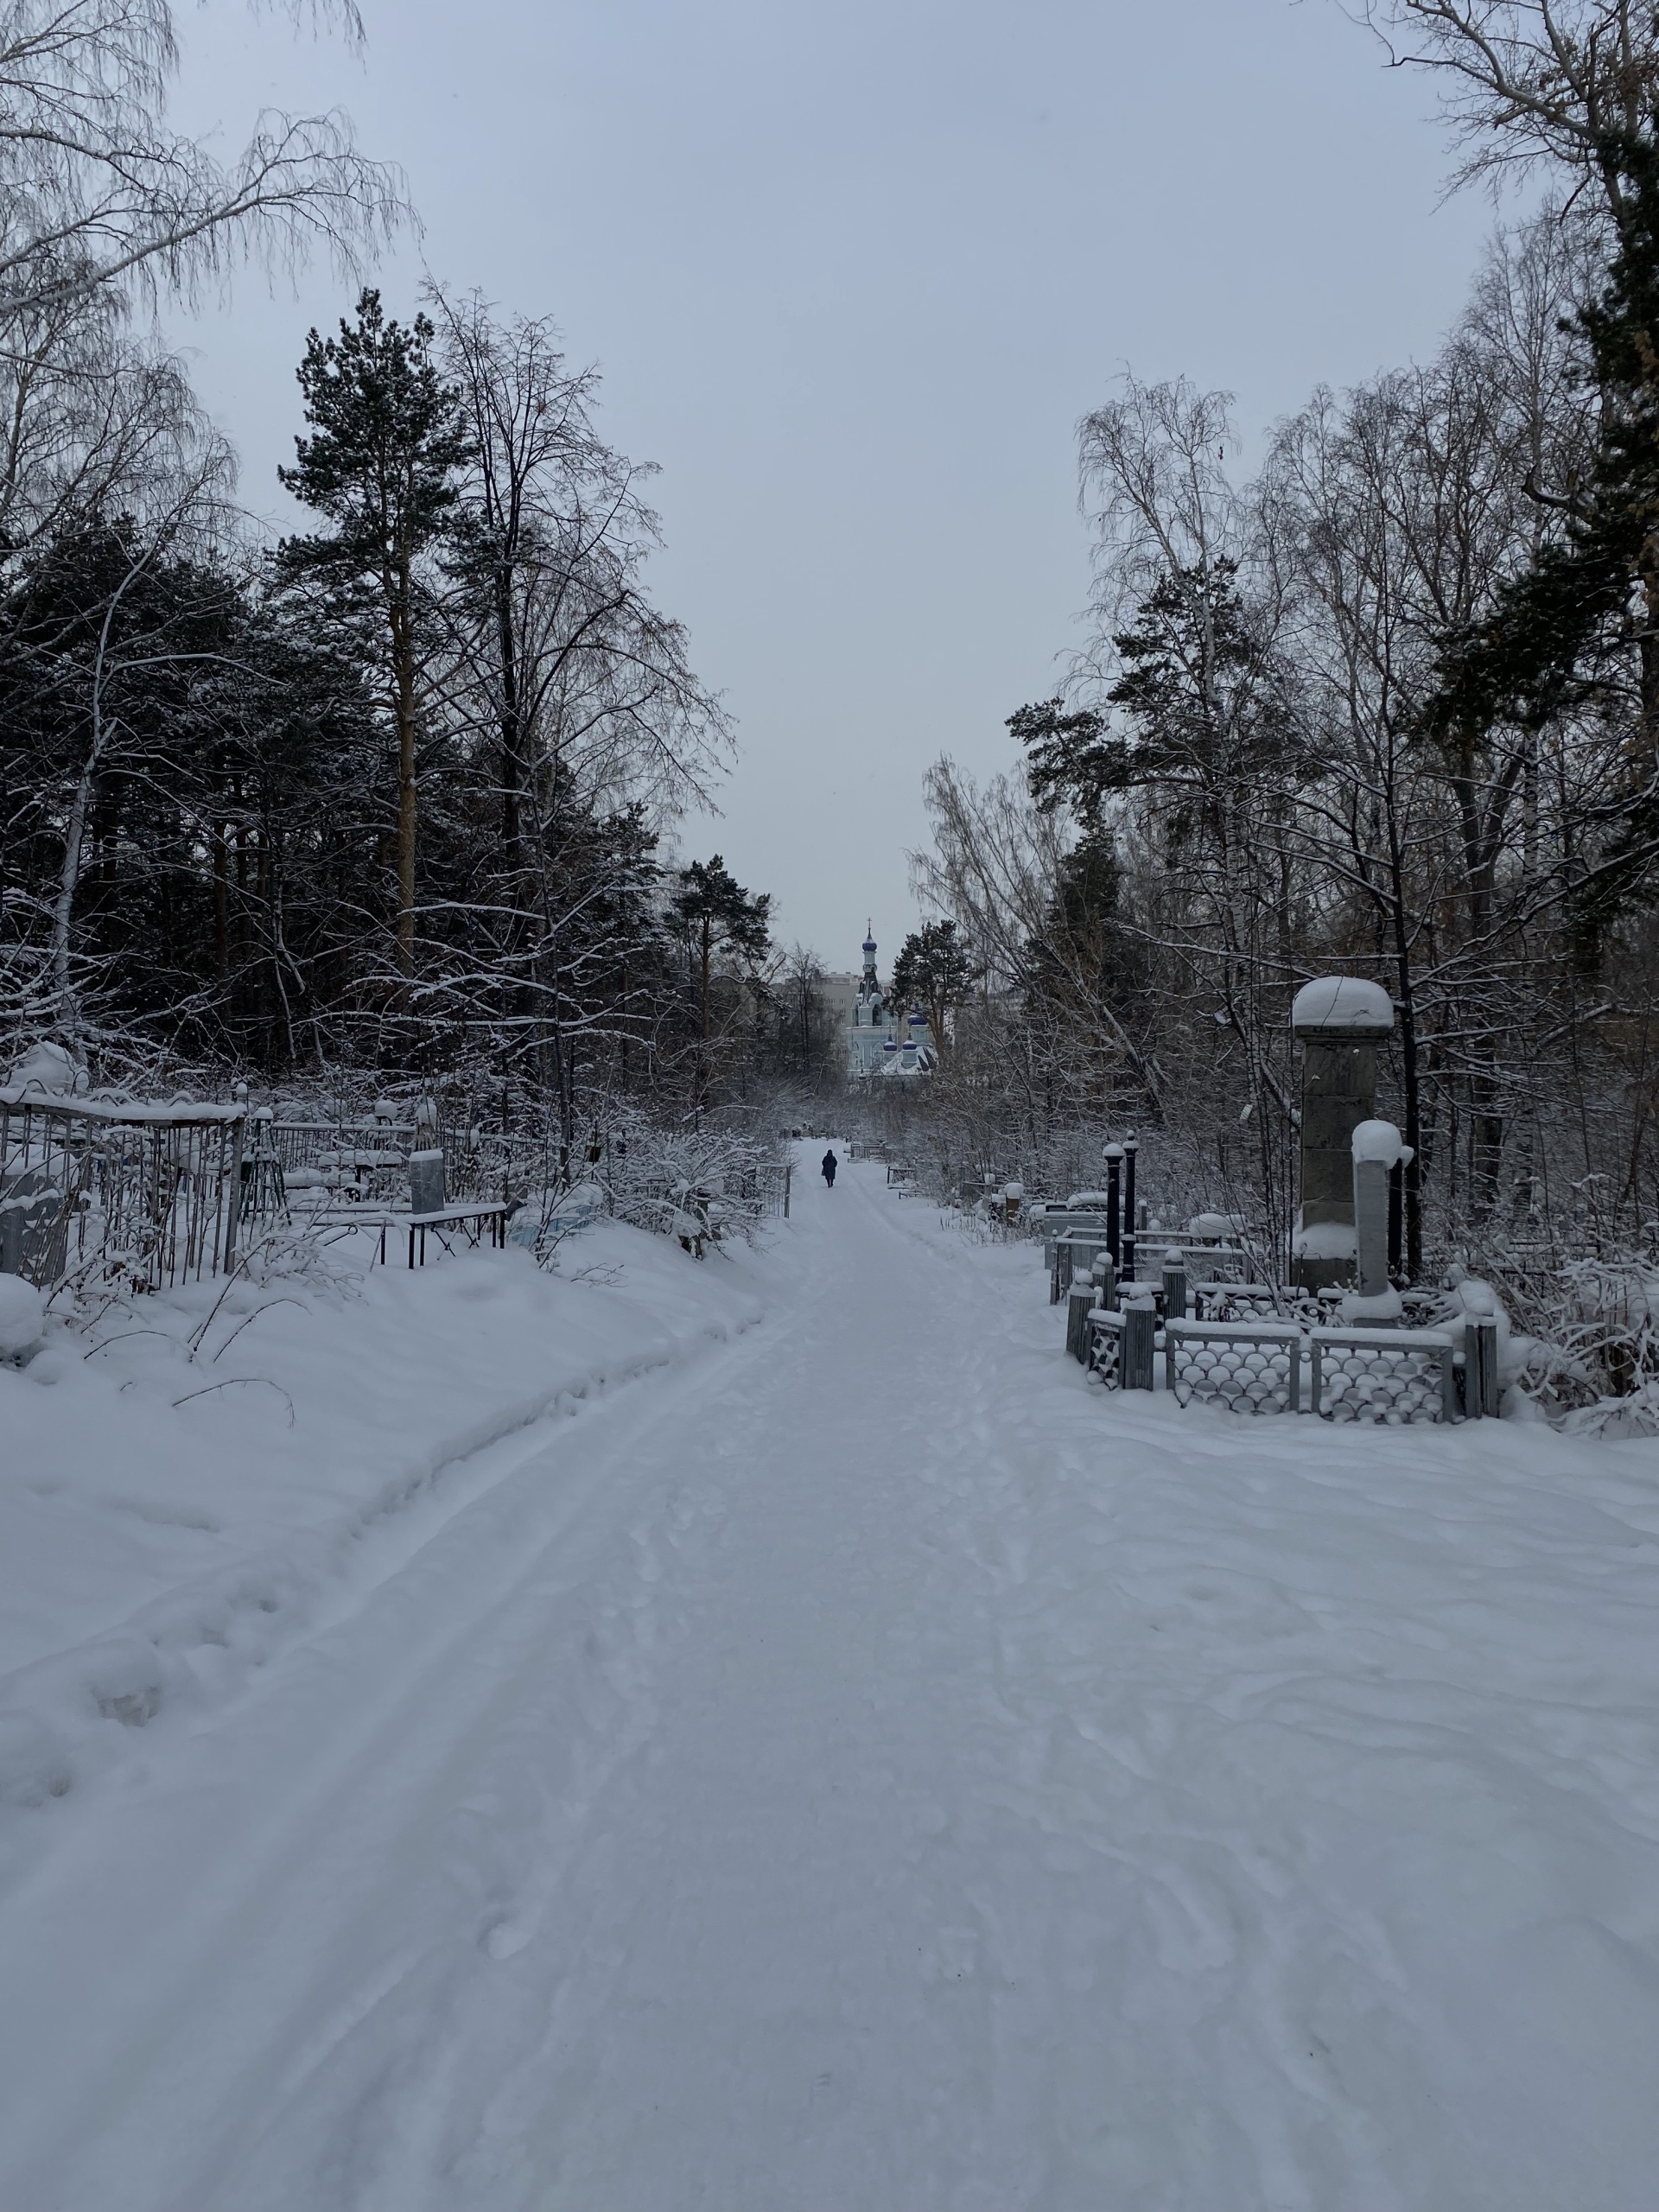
[[885, 1045]]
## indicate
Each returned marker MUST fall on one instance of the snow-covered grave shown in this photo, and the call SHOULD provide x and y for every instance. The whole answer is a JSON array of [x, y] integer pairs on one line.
[[146, 1181], [1251, 1354], [844, 1760]]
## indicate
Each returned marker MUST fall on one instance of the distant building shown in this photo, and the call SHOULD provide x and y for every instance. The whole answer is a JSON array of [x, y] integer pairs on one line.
[[881, 1044]]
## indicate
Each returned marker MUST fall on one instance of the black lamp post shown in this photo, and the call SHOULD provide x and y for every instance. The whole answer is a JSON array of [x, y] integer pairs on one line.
[[1128, 1207], [1113, 1156]]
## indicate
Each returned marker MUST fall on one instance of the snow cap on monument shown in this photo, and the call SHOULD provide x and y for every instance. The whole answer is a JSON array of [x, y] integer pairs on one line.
[[1341, 1005], [1380, 1141]]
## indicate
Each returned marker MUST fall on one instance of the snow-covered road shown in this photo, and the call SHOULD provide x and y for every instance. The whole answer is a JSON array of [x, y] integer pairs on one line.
[[865, 1770]]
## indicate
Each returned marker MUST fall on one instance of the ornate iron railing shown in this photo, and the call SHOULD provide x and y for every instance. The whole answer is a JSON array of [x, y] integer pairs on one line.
[[1389, 1377], [1105, 1360], [1249, 1367], [144, 1187]]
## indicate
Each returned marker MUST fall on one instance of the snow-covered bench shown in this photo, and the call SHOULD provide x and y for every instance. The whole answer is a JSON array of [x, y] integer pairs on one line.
[[474, 1219]]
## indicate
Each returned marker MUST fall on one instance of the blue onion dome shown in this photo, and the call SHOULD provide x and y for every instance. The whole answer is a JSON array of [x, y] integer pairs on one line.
[[890, 1046]]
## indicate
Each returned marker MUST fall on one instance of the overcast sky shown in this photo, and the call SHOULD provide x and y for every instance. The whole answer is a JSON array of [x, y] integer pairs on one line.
[[852, 272]]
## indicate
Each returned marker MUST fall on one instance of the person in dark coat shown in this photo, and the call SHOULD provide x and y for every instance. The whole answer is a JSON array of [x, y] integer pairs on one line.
[[827, 1169]]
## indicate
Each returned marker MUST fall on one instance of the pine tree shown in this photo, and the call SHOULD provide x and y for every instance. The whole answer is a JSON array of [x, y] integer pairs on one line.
[[934, 971], [713, 910], [1578, 627], [381, 464]]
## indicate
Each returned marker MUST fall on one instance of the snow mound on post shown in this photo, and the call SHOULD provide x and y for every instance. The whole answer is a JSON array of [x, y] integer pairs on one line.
[[1380, 1141], [1341, 1003]]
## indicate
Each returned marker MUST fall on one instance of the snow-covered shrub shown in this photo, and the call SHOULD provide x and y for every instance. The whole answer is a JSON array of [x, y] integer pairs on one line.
[[1585, 1346], [699, 1185], [544, 1223], [1605, 1375]]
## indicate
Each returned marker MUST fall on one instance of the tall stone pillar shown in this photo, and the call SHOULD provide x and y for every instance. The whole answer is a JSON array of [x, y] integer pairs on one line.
[[1339, 1021]]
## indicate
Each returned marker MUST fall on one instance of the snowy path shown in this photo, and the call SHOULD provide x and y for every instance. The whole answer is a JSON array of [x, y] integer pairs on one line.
[[864, 1772]]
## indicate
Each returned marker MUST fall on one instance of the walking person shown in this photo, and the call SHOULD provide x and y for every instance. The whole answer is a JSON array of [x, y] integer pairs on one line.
[[827, 1169]]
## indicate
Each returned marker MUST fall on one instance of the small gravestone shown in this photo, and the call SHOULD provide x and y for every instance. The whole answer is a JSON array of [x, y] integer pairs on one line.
[[31, 1212], [426, 1161]]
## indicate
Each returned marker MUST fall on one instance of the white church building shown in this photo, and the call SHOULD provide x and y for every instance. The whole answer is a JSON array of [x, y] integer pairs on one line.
[[884, 1043]]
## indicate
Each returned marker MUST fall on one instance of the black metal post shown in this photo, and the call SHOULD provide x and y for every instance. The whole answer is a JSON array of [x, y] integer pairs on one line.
[[1113, 1156], [1396, 1219], [1128, 1208]]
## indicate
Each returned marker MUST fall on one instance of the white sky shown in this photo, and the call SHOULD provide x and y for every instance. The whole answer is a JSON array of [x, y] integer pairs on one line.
[[853, 270]]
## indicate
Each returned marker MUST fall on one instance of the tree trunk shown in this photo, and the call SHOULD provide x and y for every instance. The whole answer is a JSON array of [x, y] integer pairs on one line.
[[703, 1026], [403, 650], [1410, 1071], [513, 766], [74, 836], [221, 905]]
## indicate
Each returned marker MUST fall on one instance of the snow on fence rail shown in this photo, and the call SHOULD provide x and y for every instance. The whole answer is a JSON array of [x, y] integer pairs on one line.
[[146, 1186]]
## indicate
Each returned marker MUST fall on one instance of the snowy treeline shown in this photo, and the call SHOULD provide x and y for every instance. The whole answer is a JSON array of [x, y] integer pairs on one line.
[[400, 793], [1390, 706]]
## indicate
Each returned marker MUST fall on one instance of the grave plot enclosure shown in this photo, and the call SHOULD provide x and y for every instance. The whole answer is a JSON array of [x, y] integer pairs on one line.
[[146, 1187]]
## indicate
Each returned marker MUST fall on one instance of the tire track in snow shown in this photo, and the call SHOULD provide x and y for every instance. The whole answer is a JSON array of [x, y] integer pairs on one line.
[[385, 1751]]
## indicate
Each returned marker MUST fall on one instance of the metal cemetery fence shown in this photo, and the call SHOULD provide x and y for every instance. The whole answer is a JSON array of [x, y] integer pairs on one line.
[[1104, 1347], [1389, 1377], [350, 1162], [1392, 1376], [146, 1187], [1249, 1367], [170, 1192]]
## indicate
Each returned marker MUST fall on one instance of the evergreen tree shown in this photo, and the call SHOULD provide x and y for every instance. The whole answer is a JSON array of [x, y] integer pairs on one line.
[[1577, 628], [710, 913], [1193, 685], [935, 972], [381, 465]]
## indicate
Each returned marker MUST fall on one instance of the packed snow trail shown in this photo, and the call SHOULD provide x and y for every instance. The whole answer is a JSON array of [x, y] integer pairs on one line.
[[866, 1771]]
